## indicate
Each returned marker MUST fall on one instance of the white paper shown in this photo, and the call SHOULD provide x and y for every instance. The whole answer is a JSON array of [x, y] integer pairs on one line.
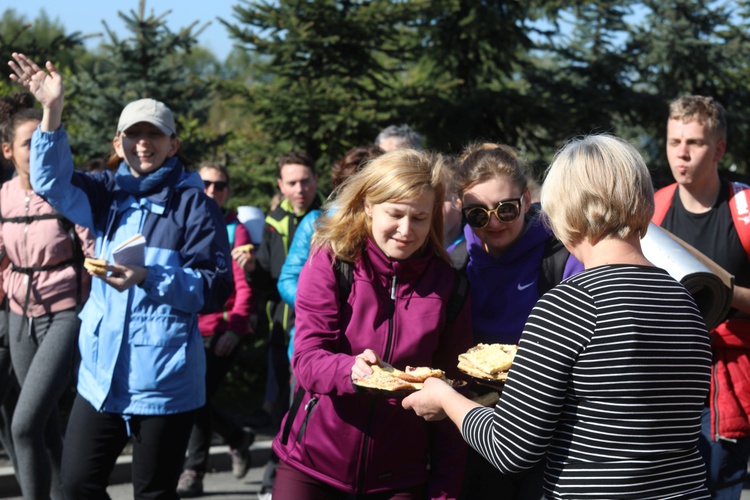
[[253, 219], [131, 252]]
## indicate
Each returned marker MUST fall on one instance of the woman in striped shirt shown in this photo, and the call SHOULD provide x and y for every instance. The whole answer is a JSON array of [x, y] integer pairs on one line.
[[613, 366]]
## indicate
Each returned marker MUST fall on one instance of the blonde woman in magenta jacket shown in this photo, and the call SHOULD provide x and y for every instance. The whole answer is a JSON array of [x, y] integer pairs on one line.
[[336, 440]]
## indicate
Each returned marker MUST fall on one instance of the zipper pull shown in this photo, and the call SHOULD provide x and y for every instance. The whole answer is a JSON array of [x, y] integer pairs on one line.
[[393, 288]]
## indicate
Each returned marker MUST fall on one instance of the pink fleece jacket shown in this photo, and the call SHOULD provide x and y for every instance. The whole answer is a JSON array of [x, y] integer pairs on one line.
[[37, 243]]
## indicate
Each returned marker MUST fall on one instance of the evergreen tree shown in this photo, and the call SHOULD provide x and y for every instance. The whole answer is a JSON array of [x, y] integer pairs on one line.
[[473, 55], [335, 67], [735, 91], [691, 47], [152, 62], [246, 153], [41, 39], [580, 75]]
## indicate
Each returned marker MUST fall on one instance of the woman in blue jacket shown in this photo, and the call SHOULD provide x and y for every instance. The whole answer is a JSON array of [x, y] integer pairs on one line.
[[142, 369]]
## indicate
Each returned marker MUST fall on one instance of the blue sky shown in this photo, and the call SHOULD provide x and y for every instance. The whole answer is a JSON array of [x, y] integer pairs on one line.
[[86, 16]]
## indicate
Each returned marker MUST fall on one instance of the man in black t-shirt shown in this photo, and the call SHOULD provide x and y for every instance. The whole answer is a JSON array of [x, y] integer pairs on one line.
[[699, 213]]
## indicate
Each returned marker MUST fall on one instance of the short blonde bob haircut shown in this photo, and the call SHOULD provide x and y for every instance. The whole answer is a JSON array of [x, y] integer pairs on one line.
[[597, 187], [395, 176]]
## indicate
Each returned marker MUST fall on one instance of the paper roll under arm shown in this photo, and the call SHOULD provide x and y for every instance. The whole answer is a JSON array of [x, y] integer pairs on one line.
[[709, 284]]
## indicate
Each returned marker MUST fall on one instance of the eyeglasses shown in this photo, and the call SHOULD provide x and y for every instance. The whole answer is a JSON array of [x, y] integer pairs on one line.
[[218, 185], [506, 211]]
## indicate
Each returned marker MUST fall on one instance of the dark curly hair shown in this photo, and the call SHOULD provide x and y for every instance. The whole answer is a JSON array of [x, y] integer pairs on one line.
[[16, 110]]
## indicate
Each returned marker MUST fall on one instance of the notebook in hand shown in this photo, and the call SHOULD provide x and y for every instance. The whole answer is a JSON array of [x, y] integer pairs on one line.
[[131, 252]]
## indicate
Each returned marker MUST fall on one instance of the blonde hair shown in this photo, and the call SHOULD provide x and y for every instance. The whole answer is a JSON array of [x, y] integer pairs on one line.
[[395, 176], [597, 187], [704, 110]]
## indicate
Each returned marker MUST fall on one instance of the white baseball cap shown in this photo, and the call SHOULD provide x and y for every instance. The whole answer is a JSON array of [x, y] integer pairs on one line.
[[149, 111]]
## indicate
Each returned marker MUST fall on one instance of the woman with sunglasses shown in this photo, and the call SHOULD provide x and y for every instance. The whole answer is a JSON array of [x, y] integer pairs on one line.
[[510, 258]]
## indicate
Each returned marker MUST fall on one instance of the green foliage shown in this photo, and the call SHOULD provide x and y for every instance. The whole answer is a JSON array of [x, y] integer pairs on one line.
[[41, 39], [692, 47], [327, 75], [578, 75], [471, 52], [334, 65], [152, 62]]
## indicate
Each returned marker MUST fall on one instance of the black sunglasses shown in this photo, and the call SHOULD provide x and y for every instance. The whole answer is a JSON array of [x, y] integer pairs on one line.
[[506, 211], [218, 185]]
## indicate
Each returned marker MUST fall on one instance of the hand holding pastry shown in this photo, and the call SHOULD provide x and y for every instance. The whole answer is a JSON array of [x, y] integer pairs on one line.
[[245, 257]]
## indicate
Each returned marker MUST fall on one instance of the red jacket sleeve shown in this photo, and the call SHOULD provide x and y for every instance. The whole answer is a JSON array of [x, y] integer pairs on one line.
[[238, 316], [235, 315]]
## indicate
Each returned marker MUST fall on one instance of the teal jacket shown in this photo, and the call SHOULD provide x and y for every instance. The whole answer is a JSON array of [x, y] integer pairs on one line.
[[298, 254]]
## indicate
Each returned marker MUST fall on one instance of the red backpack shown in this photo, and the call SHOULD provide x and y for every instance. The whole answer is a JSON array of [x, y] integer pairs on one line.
[[738, 205]]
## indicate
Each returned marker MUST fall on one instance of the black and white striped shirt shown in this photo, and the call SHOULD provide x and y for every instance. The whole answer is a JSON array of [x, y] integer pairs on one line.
[[610, 380]]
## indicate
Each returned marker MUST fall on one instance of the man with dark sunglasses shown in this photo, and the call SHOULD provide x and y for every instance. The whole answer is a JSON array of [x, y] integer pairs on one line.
[[222, 334]]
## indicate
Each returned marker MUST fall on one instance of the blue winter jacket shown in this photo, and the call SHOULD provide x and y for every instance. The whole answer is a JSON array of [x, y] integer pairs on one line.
[[299, 251], [141, 351]]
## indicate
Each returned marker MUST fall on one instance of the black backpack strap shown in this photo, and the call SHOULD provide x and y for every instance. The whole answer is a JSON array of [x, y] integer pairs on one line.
[[344, 271], [299, 395], [29, 271], [553, 265], [78, 256], [460, 255], [28, 219], [457, 298], [76, 260]]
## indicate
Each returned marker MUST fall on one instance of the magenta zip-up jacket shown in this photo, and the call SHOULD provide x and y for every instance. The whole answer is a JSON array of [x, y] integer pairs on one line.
[[364, 443]]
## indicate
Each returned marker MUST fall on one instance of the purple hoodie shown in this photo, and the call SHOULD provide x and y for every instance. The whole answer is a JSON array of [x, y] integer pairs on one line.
[[504, 289]]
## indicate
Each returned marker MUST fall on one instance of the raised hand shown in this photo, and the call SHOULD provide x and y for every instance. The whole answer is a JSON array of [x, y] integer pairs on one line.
[[45, 85]]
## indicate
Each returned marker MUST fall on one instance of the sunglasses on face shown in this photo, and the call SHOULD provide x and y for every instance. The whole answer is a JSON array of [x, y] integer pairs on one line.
[[506, 211], [218, 185]]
